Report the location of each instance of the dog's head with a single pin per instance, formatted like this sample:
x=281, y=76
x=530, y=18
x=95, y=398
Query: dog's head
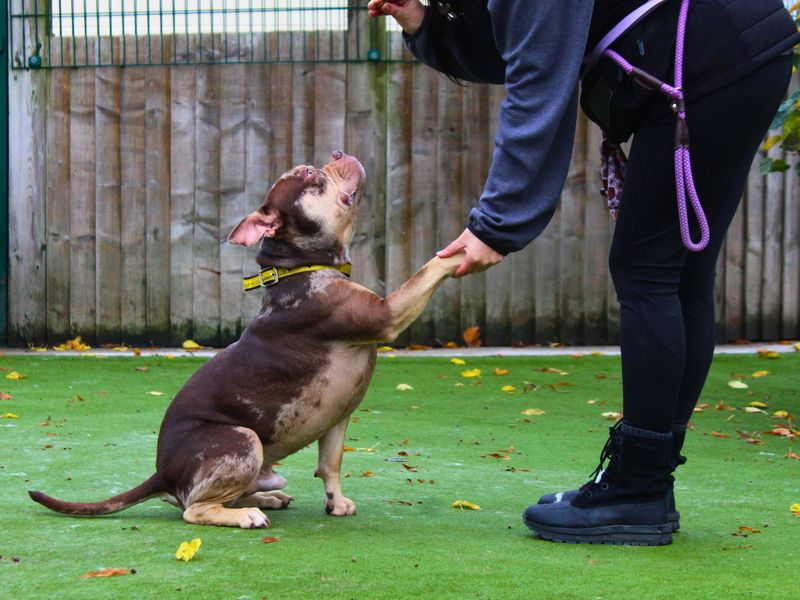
x=308, y=216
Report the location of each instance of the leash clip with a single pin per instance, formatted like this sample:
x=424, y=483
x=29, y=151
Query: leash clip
x=273, y=273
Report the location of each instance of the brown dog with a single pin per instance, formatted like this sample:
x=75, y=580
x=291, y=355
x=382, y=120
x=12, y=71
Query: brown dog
x=296, y=374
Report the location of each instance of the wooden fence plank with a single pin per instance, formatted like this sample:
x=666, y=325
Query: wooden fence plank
x=233, y=87
x=58, y=200
x=206, y=294
x=732, y=283
x=772, y=267
x=597, y=241
x=108, y=281
x=754, y=257
x=573, y=232
x=304, y=102
x=790, y=302
x=366, y=139
x=264, y=94
x=398, y=180
x=83, y=266
x=26, y=199
x=449, y=213
x=424, y=191
x=500, y=306
x=133, y=200
x=182, y=189
x=158, y=217
x=475, y=160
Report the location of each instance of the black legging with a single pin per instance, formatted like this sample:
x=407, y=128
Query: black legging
x=667, y=293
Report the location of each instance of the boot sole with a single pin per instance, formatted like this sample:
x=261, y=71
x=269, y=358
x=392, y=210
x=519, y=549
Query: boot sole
x=617, y=535
x=674, y=517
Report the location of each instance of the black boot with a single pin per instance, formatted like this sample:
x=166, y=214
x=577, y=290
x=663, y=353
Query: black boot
x=627, y=503
x=677, y=459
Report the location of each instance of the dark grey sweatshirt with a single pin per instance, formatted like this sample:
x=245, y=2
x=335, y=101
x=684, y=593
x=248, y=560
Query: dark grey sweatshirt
x=540, y=46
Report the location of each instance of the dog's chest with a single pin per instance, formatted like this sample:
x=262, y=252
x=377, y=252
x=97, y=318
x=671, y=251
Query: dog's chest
x=333, y=393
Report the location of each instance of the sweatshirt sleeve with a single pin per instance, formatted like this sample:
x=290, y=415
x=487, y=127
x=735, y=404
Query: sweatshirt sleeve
x=450, y=48
x=542, y=44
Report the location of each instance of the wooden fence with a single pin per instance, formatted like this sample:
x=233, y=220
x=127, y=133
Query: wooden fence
x=124, y=180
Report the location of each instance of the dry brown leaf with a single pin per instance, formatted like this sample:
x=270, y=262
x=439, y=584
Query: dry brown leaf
x=269, y=539
x=472, y=337
x=720, y=435
x=107, y=573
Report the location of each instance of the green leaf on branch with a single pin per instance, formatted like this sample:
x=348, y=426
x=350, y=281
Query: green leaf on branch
x=773, y=165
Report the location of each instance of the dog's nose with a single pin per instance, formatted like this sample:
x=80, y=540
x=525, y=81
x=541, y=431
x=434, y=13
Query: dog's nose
x=337, y=155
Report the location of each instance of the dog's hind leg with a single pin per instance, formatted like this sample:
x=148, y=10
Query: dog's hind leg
x=274, y=500
x=227, y=470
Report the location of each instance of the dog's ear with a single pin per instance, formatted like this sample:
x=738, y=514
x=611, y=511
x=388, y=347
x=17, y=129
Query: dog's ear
x=255, y=226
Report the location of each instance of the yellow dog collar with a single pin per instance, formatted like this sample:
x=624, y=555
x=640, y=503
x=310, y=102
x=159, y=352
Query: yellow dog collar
x=271, y=275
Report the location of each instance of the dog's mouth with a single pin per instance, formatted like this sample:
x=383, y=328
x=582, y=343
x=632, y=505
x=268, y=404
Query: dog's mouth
x=347, y=174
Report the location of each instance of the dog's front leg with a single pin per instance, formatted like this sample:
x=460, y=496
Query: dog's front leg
x=408, y=301
x=331, y=446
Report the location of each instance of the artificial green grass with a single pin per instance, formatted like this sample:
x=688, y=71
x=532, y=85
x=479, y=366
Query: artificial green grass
x=87, y=429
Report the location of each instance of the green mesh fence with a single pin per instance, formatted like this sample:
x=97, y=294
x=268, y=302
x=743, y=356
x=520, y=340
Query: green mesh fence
x=95, y=33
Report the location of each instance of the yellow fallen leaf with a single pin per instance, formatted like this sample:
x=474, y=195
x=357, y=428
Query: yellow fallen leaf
x=191, y=345
x=753, y=409
x=797, y=347
x=499, y=372
x=187, y=550
x=508, y=388
x=73, y=344
x=459, y=384
x=15, y=375
x=761, y=373
x=471, y=373
x=612, y=416
x=532, y=412
x=738, y=385
x=155, y=393
x=758, y=404
x=403, y=387
x=458, y=361
x=385, y=349
x=33, y=348
x=169, y=356
x=463, y=504
x=769, y=354
x=122, y=348
x=781, y=414
x=795, y=508
x=9, y=416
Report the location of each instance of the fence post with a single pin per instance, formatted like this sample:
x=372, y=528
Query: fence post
x=27, y=184
x=4, y=175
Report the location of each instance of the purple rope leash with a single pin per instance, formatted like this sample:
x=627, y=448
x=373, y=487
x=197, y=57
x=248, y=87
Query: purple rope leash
x=684, y=182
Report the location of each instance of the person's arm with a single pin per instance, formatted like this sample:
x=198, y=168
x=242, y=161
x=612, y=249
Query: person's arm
x=542, y=44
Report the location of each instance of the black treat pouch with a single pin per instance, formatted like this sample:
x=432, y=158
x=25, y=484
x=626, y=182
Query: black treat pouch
x=612, y=98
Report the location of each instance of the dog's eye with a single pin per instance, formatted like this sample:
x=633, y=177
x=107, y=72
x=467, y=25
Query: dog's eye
x=309, y=173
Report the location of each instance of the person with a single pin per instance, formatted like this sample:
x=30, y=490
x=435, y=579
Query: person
x=737, y=68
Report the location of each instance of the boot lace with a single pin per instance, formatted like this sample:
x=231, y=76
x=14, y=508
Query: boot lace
x=606, y=454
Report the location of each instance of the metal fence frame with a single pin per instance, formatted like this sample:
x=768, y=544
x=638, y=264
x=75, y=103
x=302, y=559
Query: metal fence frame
x=363, y=40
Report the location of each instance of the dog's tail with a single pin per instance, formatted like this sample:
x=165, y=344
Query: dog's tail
x=140, y=493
